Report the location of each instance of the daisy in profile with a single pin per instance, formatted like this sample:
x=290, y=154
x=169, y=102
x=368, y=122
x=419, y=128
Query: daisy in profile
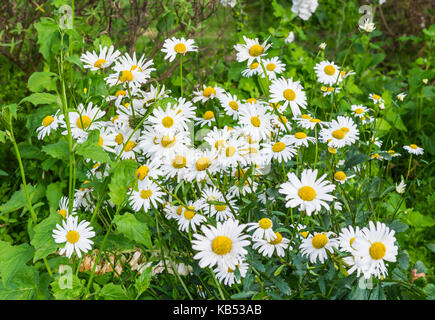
x=346, y=238
x=290, y=92
x=376, y=98
x=255, y=121
x=83, y=121
x=307, y=122
x=222, y=245
x=227, y=276
x=149, y=169
x=76, y=236
x=281, y=150
x=63, y=207
x=316, y=245
x=300, y=138
x=231, y=105
x=340, y=133
x=309, y=193
x=414, y=149
x=359, y=110
x=49, y=124
x=99, y=61
x=252, y=69
x=329, y=90
x=148, y=194
x=273, y=66
x=327, y=72
x=208, y=117
x=207, y=93
x=302, y=231
x=279, y=244
x=376, y=246
x=341, y=177
x=174, y=46
x=263, y=229
x=191, y=217
x=251, y=50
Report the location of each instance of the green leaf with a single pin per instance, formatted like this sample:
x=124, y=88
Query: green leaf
x=43, y=240
x=243, y=295
x=22, y=286
x=403, y=260
x=68, y=287
x=416, y=219
x=58, y=150
x=54, y=193
x=13, y=258
x=278, y=270
x=123, y=175
x=48, y=37
x=398, y=226
x=18, y=199
x=112, y=292
x=40, y=81
x=91, y=150
x=41, y=98
x=143, y=281
x=133, y=229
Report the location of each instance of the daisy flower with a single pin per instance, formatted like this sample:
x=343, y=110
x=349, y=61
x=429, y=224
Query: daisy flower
x=99, y=61
x=329, y=90
x=376, y=98
x=177, y=164
x=49, y=124
x=340, y=133
x=159, y=145
x=376, y=246
x=255, y=121
x=252, y=69
x=263, y=229
x=221, y=210
x=267, y=248
x=273, y=67
x=251, y=50
x=83, y=121
x=346, y=238
x=281, y=150
x=207, y=118
x=148, y=170
x=304, y=8
x=231, y=153
x=202, y=161
x=367, y=26
x=63, y=207
x=315, y=246
x=401, y=96
x=300, y=138
x=307, y=122
x=186, y=108
x=309, y=193
x=207, y=93
x=75, y=235
x=231, y=105
x=222, y=245
x=174, y=46
x=341, y=177
x=327, y=72
x=227, y=276
x=290, y=38
x=400, y=188
x=148, y=194
x=359, y=110
x=218, y=138
x=190, y=216
x=414, y=149
x=289, y=91
x=167, y=122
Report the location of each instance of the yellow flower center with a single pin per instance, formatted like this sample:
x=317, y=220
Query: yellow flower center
x=345, y=130
x=315, y=120
x=47, y=121
x=359, y=110
x=100, y=141
x=129, y=146
x=167, y=122
x=324, y=88
x=142, y=172
x=230, y=151
x=145, y=194
x=251, y=100
x=300, y=135
x=179, y=162
x=304, y=234
x=221, y=245
x=219, y=144
x=277, y=240
x=377, y=250
x=270, y=66
x=338, y=134
x=256, y=50
x=351, y=242
x=167, y=141
x=83, y=122
x=391, y=151
x=278, y=147
x=99, y=63
x=220, y=207
x=189, y=213
x=252, y=150
x=208, y=115
x=330, y=89
x=306, y=117
x=265, y=223
x=202, y=163
x=115, y=118
x=126, y=76
x=289, y=94
x=413, y=146
x=376, y=97
x=62, y=212
x=119, y=139
x=332, y=150
x=282, y=119
x=340, y=175
x=319, y=241
x=307, y=193
x=234, y=105
x=72, y=236
x=120, y=93
x=329, y=70
x=253, y=65
x=255, y=121
x=180, y=48
x=180, y=210
x=208, y=92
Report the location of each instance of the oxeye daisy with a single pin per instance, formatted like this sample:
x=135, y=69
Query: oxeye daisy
x=227, y=275
x=329, y=90
x=376, y=246
x=159, y=145
x=49, y=124
x=252, y=69
x=64, y=209
x=290, y=92
x=414, y=149
x=263, y=229
x=208, y=117
x=290, y=38
x=76, y=236
x=231, y=105
x=222, y=245
x=176, y=164
x=309, y=193
x=148, y=194
x=346, y=238
x=315, y=246
x=82, y=197
x=129, y=148
x=167, y=122
x=251, y=50
x=107, y=139
x=273, y=67
x=83, y=121
x=203, y=161
x=174, y=46
x=376, y=98
x=301, y=231
x=231, y=153
x=281, y=150
x=327, y=72
x=281, y=122
x=393, y=153
x=186, y=108
x=358, y=110
x=279, y=244
x=341, y=177
x=218, y=138
x=301, y=138
x=207, y=93
x=307, y=122
x=147, y=170
x=220, y=209
x=340, y=133
x=255, y=121
x=99, y=61
x=191, y=217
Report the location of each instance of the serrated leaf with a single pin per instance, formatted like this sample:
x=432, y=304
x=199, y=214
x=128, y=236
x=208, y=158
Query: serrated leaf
x=42, y=240
x=91, y=150
x=58, y=150
x=40, y=81
x=112, y=292
x=123, y=175
x=22, y=286
x=68, y=287
x=143, y=281
x=41, y=98
x=133, y=229
x=13, y=258
x=243, y=295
